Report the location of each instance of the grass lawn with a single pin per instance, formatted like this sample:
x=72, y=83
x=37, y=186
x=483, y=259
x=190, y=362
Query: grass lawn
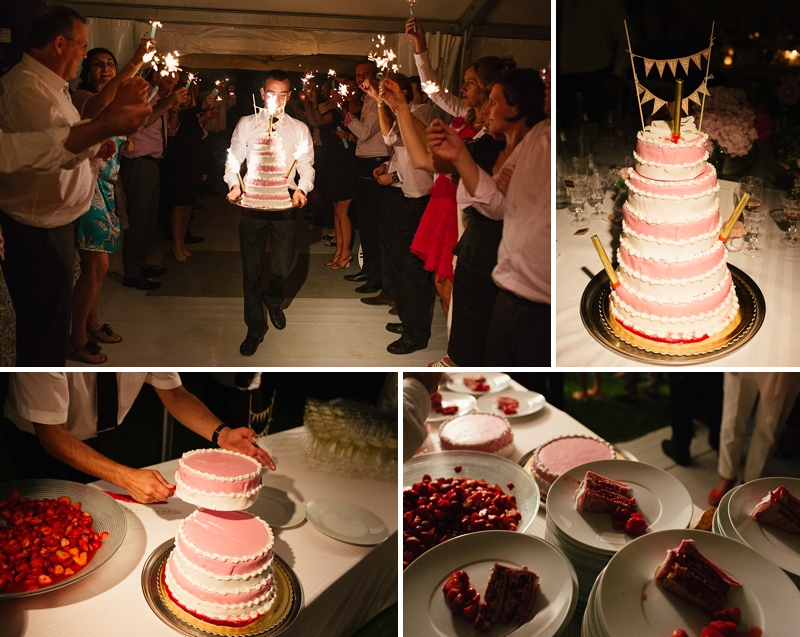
x=613, y=419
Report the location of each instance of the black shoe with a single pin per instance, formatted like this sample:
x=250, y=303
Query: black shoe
x=153, y=272
x=404, y=346
x=250, y=344
x=141, y=283
x=680, y=456
x=277, y=317
x=190, y=238
x=393, y=310
x=377, y=300
x=356, y=278
x=368, y=288
x=396, y=328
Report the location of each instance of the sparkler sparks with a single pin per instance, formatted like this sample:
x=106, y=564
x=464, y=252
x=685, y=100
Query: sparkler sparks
x=191, y=77
x=301, y=150
x=343, y=90
x=429, y=88
x=384, y=61
x=154, y=24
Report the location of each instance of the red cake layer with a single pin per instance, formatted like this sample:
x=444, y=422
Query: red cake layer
x=603, y=495
x=780, y=510
x=509, y=597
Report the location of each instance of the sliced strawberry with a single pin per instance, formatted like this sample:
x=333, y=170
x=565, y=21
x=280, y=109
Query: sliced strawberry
x=635, y=526
x=679, y=632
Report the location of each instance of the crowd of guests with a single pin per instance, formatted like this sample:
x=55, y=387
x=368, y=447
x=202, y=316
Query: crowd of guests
x=419, y=192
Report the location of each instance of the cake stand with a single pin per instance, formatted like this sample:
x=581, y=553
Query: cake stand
x=284, y=611
x=596, y=317
x=239, y=203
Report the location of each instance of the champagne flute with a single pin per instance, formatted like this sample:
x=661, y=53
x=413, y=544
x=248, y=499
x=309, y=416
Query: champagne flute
x=577, y=196
x=597, y=190
x=791, y=208
x=754, y=186
x=753, y=220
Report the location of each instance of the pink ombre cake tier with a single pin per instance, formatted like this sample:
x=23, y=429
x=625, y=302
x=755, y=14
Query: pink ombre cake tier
x=478, y=432
x=218, y=479
x=559, y=455
x=685, y=231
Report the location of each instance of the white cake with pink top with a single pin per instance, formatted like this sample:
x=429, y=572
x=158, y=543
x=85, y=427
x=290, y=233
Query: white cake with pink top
x=265, y=185
x=478, y=432
x=218, y=479
x=221, y=570
x=559, y=455
x=675, y=283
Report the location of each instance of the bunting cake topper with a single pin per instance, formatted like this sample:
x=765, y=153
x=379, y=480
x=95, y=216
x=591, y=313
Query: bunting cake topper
x=698, y=96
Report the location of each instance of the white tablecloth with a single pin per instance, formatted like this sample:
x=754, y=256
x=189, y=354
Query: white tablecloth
x=777, y=274
x=344, y=585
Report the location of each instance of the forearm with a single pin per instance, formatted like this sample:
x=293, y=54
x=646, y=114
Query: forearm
x=96, y=103
x=82, y=136
x=312, y=113
x=468, y=171
x=63, y=446
x=414, y=140
x=186, y=408
x=386, y=119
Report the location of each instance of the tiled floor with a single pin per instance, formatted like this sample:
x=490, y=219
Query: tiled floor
x=331, y=329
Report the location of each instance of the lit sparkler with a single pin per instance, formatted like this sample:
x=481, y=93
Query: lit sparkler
x=342, y=90
x=169, y=67
x=411, y=11
x=384, y=61
x=215, y=90
x=302, y=149
x=233, y=165
x=189, y=79
x=430, y=88
x=272, y=108
x=154, y=24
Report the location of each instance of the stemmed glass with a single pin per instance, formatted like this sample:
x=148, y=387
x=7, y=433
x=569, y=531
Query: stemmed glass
x=752, y=221
x=577, y=196
x=791, y=208
x=754, y=186
x=597, y=190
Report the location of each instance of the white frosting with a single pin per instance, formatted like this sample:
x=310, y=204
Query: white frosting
x=625, y=243
x=677, y=300
x=660, y=132
x=228, y=558
x=667, y=172
x=669, y=250
x=222, y=583
x=664, y=290
x=666, y=214
x=667, y=206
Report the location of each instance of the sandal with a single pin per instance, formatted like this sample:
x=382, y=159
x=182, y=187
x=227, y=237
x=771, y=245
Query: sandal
x=342, y=265
x=331, y=243
x=445, y=361
x=106, y=334
x=89, y=354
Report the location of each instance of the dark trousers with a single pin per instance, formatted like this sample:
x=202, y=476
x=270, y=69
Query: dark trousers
x=369, y=194
x=38, y=269
x=693, y=395
x=474, y=296
x=391, y=267
x=415, y=294
x=141, y=178
x=253, y=234
x=519, y=333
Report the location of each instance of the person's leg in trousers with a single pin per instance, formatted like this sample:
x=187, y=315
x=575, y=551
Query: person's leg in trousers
x=418, y=289
x=392, y=262
x=253, y=245
x=140, y=181
x=519, y=333
x=283, y=249
x=389, y=270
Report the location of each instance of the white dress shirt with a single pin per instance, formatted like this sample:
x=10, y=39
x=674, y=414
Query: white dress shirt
x=523, y=258
x=43, y=151
x=55, y=398
x=448, y=102
x=33, y=98
x=416, y=407
x=367, y=129
x=291, y=133
x=416, y=182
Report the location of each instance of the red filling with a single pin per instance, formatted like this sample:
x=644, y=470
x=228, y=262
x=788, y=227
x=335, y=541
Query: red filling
x=200, y=616
x=658, y=339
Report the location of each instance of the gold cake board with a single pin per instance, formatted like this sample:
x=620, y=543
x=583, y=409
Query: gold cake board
x=284, y=610
x=605, y=329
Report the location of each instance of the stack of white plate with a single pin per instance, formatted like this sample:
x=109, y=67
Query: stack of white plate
x=625, y=599
x=588, y=539
x=732, y=519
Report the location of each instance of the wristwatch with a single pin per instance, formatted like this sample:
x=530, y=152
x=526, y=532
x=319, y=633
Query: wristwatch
x=217, y=431
x=395, y=178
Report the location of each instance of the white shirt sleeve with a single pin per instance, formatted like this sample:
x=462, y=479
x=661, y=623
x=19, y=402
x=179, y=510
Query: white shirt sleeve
x=369, y=127
x=448, y=102
x=40, y=397
x=305, y=163
x=487, y=200
x=416, y=407
x=164, y=380
x=38, y=151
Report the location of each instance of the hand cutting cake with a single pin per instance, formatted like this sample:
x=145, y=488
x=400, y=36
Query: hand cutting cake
x=780, y=510
x=218, y=479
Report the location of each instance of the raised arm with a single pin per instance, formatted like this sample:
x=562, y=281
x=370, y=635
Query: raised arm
x=411, y=129
x=96, y=103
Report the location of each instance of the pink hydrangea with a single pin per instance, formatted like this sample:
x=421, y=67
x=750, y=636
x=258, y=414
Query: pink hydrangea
x=729, y=122
x=789, y=91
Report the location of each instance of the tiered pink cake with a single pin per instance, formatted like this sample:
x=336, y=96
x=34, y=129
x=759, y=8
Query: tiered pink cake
x=264, y=184
x=218, y=479
x=221, y=568
x=559, y=455
x=675, y=284
x=478, y=432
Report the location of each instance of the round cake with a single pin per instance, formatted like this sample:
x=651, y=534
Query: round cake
x=675, y=286
x=478, y=432
x=265, y=185
x=218, y=479
x=221, y=568
x=559, y=455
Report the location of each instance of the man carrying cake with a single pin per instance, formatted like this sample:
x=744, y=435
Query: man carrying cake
x=270, y=141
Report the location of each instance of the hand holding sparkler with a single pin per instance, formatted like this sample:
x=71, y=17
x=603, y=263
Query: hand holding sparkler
x=154, y=24
x=392, y=94
x=144, y=49
x=415, y=31
x=190, y=77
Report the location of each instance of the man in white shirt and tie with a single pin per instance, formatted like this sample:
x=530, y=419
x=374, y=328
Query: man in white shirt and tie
x=280, y=225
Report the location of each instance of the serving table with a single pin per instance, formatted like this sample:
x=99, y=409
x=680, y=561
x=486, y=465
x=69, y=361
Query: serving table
x=344, y=585
x=777, y=274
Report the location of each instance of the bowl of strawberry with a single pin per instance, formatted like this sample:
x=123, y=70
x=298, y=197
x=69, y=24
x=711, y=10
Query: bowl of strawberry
x=56, y=532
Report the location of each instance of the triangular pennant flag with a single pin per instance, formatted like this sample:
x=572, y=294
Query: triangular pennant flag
x=647, y=96
x=648, y=65
x=696, y=60
x=685, y=105
x=671, y=108
x=660, y=64
x=703, y=89
x=706, y=53
x=639, y=88
x=695, y=98
x=685, y=65
x=657, y=104
x=673, y=64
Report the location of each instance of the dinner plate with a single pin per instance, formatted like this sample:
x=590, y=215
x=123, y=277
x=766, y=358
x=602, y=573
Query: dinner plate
x=629, y=602
x=107, y=515
x=779, y=547
x=278, y=508
x=424, y=609
x=346, y=522
x=724, y=525
x=465, y=403
x=496, y=381
x=529, y=402
x=661, y=498
x=481, y=466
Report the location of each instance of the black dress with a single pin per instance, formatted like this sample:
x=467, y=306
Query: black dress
x=185, y=162
x=341, y=181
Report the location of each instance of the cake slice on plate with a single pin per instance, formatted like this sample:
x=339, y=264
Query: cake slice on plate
x=509, y=597
x=780, y=510
x=598, y=494
x=688, y=574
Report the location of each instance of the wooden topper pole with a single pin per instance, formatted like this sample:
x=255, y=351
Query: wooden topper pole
x=705, y=80
x=633, y=68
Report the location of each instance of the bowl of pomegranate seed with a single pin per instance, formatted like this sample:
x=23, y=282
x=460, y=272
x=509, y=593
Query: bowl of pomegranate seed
x=57, y=532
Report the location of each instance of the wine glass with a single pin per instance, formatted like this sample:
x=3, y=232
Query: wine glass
x=791, y=208
x=596, y=187
x=752, y=221
x=754, y=186
x=577, y=196
x=580, y=167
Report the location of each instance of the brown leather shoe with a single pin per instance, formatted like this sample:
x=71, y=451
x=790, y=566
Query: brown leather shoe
x=377, y=300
